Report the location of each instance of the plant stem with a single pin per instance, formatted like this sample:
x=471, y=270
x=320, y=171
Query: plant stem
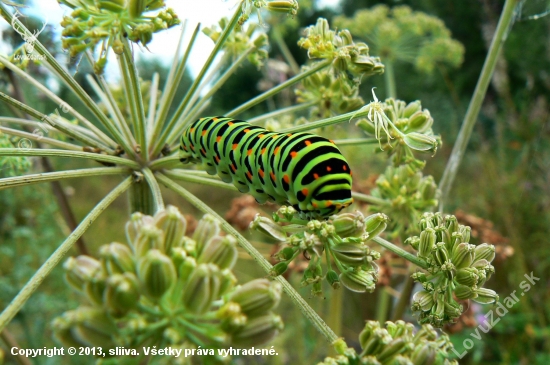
x=472, y=113
x=140, y=198
x=153, y=94
x=75, y=154
x=271, y=92
x=389, y=78
x=10, y=182
x=279, y=112
x=354, y=141
x=405, y=296
x=199, y=180
x=39, y=138
x=382, y=305
x=369, y=199
x=155, y=189
x=401, y=252
x=188, y=96
x=25, y=293
x=313, y=317
x=10, y=342
x=277, y=37
x=326, y=122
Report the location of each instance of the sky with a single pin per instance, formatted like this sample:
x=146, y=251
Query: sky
x=163, y=46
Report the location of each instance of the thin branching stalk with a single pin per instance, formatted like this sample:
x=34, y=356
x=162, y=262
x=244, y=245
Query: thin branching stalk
x=368, y=199
x=283, y=111
x=10, y=182
x=355, y=141
x=198, y=80
x=205, y=181
x=326, y=122
x=11, y=343
x=41, y=139
x=389, y=78
x=472, y=113
x=25, y=293
x=61, y=127
x=153, y=94
x=164, y=162
x=309, y=312
x=400, y=252
x=73, y=154
x=277, y=37
x=69, y=81
x=277, y=89
x=56, y=99
x=404, y=296
x=155, y=189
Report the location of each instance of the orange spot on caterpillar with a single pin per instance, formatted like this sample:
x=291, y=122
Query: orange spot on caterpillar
x=315, y=176
x=263, y=151
x=331, y=141
x=192, y=130
x=230, y=123
x=293, y=154
x=203, y=151
x=276, y=150
x=218, y=138
x=233, y=167
x=261, y=135
x=328, y=203
x=217, y=159
x=249, y=152
x=304, y=191
x=192, y=147
x=203, y=133
x=329, y=168
x=249, y=175
x=215, y=119
x=315, y=205
x=272, y=176
x=246, y=130
x=261, y=172
x=234, y=146
x=308, y=143
x=275, y=136
x=184, y=148
x=345, y=167
x=286, y=179
x=290, y=134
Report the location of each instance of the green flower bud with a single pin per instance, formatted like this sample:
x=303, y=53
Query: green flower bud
x=424, y=354
x=134, y=225
x=412, y=108
x=114, y=6
x=156, y=273
x=367, y=126
x=261, y=40
x=420, y=121
x=420, y=142
x=352, y=254
x=468, y=276
x=394, y=348
x=118, y=47
x=207, y=228
x=451, y=224
x=268, y=227
x=93, y=327
x=414, y=241
x=99, y=66
x=148, y=238
x=349, y=224
x=422, y=300
x=465, y=232
x=465, y=292
x=95, y=287
x=441, y=255
x=453, y=309
x=257, y=331
x=427, y=242
x=121, y=294
x=378, y=340
x=333, y=280
x=376, y=224
x=286, y=253
x=117, y=258
x=227, y=281
x=178, y=256
x=198, y=293
x=289, y=7
x=173, y=224
x=221, y=251
x=463, y=255
x=278, y=269
x=367, y=332
x=485, y=296
x=79, y=270
x=257, y=296
x=186, y=268
x=485, y=252
x=358, y=281
x=62, y=330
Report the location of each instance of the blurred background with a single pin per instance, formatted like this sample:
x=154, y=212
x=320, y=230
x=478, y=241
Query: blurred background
x=502, y=189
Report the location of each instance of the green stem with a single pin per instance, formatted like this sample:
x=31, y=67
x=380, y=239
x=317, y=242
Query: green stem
x=472, y=113
x=9, y=182
x=153, y=95
x=164, y=162
x=66, y=108
x=140, y=198
x=279, y=112
x=183, y=105
x=404, y=297
x=172, y=83
x=155, y=189
x=50, y=122
x=354, y=141
x=68, y=80
x=389, y=78
x=39, y=138
x=401, y=252
x=326, y=122
x=74, y=154
x=40, y=275
x=310, y=314
x=369, y=199
x=278, y=38
x=382, y=305
x=271, y=92
x=199, y=180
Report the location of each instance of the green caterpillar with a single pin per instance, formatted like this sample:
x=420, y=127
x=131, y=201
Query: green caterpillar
x=301, y=169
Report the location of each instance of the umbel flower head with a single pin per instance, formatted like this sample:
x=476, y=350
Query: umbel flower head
x=110, y=22
x=341, y=240
x=165, y=288
x=397, y=343
x=456, y=269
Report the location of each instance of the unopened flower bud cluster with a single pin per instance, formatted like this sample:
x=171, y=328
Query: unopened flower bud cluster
x=341, y=240
x=397, y=343
x=288, y=7
x=165, y=288
x=107, y=22
x=456, y=269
